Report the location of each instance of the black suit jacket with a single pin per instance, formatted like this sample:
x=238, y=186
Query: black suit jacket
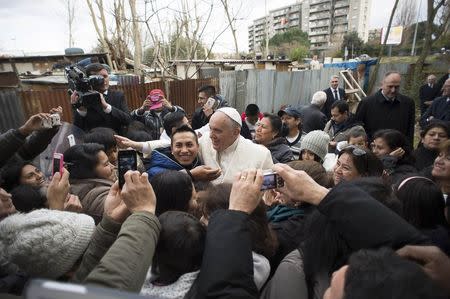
x=312, y=118
x=326, y=109
x=96, y=117
x=426, y=93
x=376, y=113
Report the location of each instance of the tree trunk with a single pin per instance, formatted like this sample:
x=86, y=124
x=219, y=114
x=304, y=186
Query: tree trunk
x=136, y=38
x=99, y=34
x=380, y=54
x=233, y=31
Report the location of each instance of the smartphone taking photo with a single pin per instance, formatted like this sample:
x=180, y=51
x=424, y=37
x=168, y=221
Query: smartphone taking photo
x=127, y=160
x=58, y=163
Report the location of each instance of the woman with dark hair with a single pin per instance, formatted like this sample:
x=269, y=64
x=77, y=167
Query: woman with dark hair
x=178, y=256
x=174, y=191
x=431, y=139
x=105, y=137
x=441, y=174
x=423, y=207
x=391, y=147
x=268, y=133
x=264, y=240
x=354, y=162
x=90, y=173
x=21, y=172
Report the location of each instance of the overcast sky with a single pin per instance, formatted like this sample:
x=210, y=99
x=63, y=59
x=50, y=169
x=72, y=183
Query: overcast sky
x=41, y=25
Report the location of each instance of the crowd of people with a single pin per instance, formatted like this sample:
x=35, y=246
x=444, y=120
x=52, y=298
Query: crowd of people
x=362, y=211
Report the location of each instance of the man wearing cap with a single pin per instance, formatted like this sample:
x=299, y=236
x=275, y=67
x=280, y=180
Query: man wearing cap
x=292, y=121
x=223, y=147
x=111, y=112
x=153, y=110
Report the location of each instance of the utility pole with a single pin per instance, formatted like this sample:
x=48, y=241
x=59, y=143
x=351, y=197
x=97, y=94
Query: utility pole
x=413, y=49
x=266, y=28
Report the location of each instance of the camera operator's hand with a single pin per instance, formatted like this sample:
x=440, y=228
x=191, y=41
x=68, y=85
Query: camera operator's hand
x=167, y=104
x=245, y=193
x=34, y=123
x=103, y=101
x=299, y=186
x=74, y=99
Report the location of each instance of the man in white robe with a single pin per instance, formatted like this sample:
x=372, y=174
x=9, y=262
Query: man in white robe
x=223, y=147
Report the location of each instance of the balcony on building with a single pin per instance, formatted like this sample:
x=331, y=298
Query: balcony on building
x=320, y=16
x=319, y=8
x=342, y=3
x=314, y=2
x=340, y=12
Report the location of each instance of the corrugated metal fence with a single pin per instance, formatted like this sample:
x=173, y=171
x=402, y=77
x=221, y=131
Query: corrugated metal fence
x=270, y=89
x=17, y=106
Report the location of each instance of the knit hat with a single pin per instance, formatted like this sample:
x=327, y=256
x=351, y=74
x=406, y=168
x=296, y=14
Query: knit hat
x=317, y=142
x=231, y=113
x=45, y=243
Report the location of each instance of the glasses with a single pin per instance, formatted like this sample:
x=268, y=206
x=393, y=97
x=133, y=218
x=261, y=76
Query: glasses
x=356, y=150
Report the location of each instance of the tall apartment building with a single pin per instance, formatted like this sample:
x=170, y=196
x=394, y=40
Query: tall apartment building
x=325, y=21
x=277, y=21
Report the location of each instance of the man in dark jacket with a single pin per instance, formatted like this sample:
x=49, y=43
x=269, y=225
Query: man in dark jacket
x=153, y=110
x=340, y=124
x=202, y=114
x=111, y=111
x=388, y=109
x=334, y=93
x=312, y=117
x=427, y=93
x=440, y=109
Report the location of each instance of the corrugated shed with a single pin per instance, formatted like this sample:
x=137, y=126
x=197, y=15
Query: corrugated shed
x=270, y=89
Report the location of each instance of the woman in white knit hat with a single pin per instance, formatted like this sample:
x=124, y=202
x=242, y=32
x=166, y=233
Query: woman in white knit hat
x=314, y=146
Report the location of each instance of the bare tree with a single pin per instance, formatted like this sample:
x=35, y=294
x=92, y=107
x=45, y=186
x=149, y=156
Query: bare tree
x=436, y=25
x=377, y=66
x=136, y=38
x=70, y=18
x=102, y=34
x=230, y=21
x=406, y=13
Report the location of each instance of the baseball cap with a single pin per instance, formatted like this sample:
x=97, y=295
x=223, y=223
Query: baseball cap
x=155, y=96
x=291, y=111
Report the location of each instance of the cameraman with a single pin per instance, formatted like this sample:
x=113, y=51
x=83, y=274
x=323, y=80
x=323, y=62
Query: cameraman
x=111, y=112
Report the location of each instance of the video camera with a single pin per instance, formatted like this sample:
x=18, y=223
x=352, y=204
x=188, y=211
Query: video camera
x=84, y=85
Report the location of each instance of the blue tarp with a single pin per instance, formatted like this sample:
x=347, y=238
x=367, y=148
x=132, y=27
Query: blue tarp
x=353, y=65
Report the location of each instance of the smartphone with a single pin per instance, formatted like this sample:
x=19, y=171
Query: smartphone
x=210, y=103
x=271, y=181
x=58, y=163
x=127, y=160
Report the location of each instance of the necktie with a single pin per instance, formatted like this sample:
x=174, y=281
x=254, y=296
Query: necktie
x=336, y=95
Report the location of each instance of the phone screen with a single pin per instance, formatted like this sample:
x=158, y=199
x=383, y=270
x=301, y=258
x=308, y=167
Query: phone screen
x=127, y=161
x=56, y=164
x=269, y=181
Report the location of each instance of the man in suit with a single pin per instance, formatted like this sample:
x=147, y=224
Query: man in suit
x=334, y=93
x=427, y=93
x=440, y=108
x=388, y=109
x=109, y=110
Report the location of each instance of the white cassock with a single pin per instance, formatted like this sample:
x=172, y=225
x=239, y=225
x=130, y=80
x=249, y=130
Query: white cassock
x=241, y=155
